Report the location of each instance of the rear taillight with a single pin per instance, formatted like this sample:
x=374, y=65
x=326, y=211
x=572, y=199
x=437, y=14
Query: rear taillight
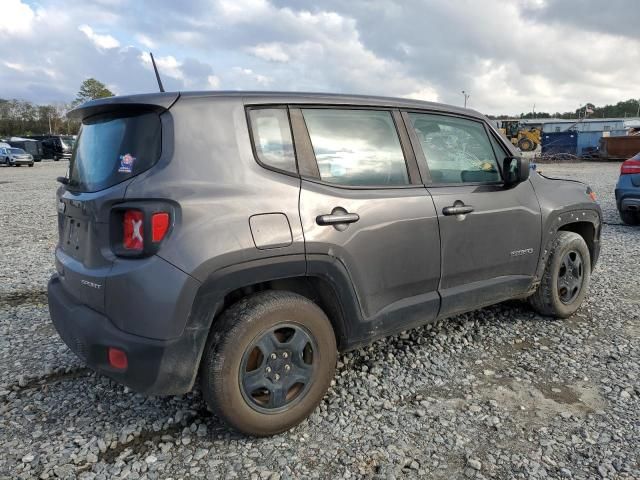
x=133, y=230
x=159, y=226
x=139, y=230
x=630, y=166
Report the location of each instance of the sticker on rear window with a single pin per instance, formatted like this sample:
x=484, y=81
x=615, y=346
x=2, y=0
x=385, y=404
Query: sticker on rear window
x=126, y=163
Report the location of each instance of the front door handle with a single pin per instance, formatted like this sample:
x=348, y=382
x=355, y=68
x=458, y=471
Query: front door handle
x=457, y=210
x=337, y=218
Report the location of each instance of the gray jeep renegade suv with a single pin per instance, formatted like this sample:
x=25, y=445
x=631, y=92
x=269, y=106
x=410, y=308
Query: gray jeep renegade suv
x=245, y=238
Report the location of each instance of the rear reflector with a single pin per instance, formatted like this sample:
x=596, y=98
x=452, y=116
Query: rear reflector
x=159, y=226
x=133, y=230
x=630, y=166
x=118, y=358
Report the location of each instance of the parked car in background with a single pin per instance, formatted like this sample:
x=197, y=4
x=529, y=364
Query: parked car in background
x=56, y=146
x=17, y=157
x=29, y=145
x=628, y=191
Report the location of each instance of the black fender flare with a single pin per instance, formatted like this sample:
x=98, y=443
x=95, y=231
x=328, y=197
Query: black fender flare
x=209, y=301
x=555, y=222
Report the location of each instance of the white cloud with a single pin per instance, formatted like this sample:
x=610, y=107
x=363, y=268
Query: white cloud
x=257, y=78
x=15, y=66
x=507, y=54
x=100, y=41
x=16, y=18
x=427, y=94
x=272, y=52
x=213, y=82
x=145, y=41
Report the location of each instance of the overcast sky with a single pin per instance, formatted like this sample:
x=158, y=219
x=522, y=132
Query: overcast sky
x=508, y=54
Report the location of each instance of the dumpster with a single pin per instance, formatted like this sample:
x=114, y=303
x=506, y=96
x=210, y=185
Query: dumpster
x=619, y=148
x=560, y=142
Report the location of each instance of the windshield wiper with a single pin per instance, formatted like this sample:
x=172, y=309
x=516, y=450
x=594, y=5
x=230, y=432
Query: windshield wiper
x=67, y=181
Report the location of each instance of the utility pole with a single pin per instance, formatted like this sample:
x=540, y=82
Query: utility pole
x=534, y=111
x=638, y=112
x=466, y=97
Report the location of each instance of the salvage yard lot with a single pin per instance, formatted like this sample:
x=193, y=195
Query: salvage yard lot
x=498, y=393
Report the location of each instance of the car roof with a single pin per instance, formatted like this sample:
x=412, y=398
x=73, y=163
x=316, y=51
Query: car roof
x=259, y=97
x=164, y=100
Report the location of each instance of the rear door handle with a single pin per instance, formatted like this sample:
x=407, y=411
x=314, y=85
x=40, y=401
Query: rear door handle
x=457, y=210
x=337, y=218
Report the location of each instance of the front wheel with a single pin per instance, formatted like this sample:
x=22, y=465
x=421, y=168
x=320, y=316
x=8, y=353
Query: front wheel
x=268, y=362
x=566, y=277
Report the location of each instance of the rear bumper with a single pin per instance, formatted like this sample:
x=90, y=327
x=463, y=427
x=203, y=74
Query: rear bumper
x=164, y=367
x=630, y=203
x=628, y=192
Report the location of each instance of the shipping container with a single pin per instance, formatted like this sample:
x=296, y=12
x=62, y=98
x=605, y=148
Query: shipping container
x=619, y=148
x=559, y=142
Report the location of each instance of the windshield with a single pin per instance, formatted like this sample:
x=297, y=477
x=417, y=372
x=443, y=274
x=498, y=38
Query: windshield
x=112, y=148
x=67, y=142
x=16, y=151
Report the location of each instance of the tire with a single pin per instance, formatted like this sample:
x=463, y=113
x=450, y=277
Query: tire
x=55, y=158
x=526, y=145
x=563, y=285
x=241, y=348
x=630, y=218
x=31, y=164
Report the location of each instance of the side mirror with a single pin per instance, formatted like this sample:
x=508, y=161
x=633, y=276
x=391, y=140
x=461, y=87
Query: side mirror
x=515, y=170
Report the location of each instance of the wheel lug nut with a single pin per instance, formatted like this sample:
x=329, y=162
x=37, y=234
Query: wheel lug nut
x=287, y=368
x=273, y=356
x=276, y=376
x=268, y=369
x=285, y=355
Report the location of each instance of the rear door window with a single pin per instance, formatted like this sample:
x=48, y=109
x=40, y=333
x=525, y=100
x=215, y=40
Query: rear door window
x=272, y=138
x=457, y=150
x=356, y=147
x=112, y=148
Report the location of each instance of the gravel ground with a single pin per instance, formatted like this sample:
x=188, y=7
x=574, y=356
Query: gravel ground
x=498, y=393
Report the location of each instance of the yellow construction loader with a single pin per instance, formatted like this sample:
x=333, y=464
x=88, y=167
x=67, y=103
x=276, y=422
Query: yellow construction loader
x=524, y=137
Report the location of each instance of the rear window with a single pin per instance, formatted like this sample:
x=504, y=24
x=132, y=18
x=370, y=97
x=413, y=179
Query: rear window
x=272, y=138
x=356, y=147
x=113, y=148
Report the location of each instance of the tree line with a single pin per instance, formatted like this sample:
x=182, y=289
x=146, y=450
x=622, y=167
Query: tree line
x=626, y=108
x=21, y=117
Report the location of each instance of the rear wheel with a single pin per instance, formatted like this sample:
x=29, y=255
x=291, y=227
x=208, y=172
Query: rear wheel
x=566, y=277
x=268, y=362
x=630, y=218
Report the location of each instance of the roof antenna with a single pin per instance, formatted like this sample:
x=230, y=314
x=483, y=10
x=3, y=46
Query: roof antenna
x=157, y=74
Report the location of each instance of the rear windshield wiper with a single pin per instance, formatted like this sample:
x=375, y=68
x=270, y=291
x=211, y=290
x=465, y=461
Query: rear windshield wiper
x=67, y=181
